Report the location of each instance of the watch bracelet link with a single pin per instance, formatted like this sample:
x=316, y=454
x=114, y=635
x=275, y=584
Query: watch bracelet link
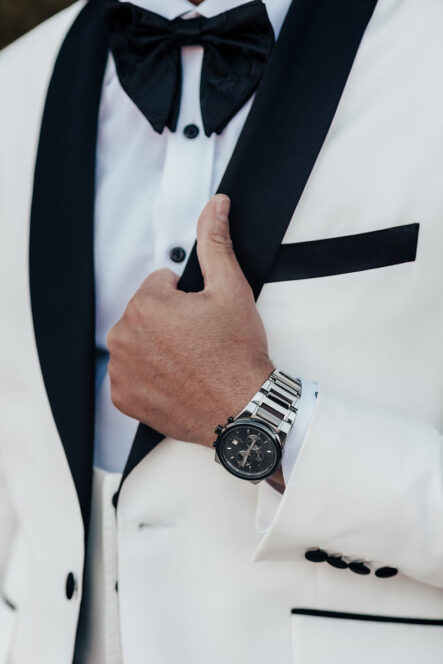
x=276, y=403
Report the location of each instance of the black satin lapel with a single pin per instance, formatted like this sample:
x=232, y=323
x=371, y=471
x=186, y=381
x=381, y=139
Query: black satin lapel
x=280, y=142
x=61, y=241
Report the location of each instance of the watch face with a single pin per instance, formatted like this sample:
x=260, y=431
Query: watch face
x=249, y=451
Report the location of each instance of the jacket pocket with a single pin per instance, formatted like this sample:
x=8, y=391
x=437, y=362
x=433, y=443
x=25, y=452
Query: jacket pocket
x=8, y=616
x=347, y=638
x=348, y=253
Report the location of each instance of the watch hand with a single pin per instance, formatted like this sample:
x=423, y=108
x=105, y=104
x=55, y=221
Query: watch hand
x=247, y=455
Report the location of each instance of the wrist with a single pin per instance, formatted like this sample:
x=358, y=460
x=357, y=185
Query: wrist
x=250, y=445
x=242, y=390
x=235, y=392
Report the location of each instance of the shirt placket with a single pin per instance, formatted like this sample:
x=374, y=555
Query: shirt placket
x=187, y=173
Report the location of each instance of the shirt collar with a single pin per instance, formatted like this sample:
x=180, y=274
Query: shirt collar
x=172, y=8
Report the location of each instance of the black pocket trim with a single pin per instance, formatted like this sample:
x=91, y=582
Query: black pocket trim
x=8, y=602
x=348, y=253
x=367, y=617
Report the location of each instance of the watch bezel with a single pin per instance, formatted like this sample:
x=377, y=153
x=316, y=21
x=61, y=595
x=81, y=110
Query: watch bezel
x=252, y=422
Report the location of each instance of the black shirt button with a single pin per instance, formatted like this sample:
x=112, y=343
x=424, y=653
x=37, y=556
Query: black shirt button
x=337, y=561
x=115, y=499
x=71, y=586
x=177, y=254
x=386, y=572
x=191, y=131
x=359, y=568
x=316, y=555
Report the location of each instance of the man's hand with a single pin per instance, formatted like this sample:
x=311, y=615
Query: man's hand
x=184, y=362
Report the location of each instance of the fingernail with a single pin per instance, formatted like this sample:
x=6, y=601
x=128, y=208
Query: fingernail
x=222, y=206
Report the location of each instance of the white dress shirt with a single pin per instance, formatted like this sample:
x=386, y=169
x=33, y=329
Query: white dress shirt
x=150, y=190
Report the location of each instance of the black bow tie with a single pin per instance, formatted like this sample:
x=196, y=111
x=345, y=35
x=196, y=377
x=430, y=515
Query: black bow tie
x=146, y=48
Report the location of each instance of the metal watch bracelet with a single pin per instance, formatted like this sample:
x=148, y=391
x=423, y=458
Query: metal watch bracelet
x=276, y=403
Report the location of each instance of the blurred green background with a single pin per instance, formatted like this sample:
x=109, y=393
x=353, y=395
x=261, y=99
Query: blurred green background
x=19, y=16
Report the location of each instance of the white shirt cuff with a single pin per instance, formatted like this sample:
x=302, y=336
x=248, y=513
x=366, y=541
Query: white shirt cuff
x=298, y=432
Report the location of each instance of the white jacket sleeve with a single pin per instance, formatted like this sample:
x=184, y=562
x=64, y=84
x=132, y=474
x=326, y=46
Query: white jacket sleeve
x=367, y=486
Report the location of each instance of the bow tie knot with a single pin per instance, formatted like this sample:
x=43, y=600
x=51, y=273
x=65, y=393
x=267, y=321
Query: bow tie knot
x=188, y=32
x=146, y=49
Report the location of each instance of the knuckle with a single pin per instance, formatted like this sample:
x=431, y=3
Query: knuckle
x=119, y=397
x=114, y=380
x=112, y=339
x=117, y=401
x=112, y=369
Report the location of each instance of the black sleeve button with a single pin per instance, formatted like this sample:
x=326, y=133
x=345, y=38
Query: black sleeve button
x=177, y=254
x=71, y=586
x=316, y=555
x=359, y=568
x=386, y=572
x=191, y=131
x=337, y=562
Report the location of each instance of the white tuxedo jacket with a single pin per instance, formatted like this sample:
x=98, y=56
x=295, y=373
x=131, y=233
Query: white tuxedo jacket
x=340, y=163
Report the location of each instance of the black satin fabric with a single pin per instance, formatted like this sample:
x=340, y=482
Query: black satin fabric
x=147, y=52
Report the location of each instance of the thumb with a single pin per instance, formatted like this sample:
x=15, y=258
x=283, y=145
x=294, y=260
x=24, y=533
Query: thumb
x=215, y=252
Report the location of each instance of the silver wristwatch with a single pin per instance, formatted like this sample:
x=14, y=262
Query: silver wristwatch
x=250, y=445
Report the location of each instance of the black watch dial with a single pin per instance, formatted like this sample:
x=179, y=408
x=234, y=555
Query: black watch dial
x=249, y=451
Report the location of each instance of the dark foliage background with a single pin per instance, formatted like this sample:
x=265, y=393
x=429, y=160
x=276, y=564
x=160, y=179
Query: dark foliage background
x=19, y=16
